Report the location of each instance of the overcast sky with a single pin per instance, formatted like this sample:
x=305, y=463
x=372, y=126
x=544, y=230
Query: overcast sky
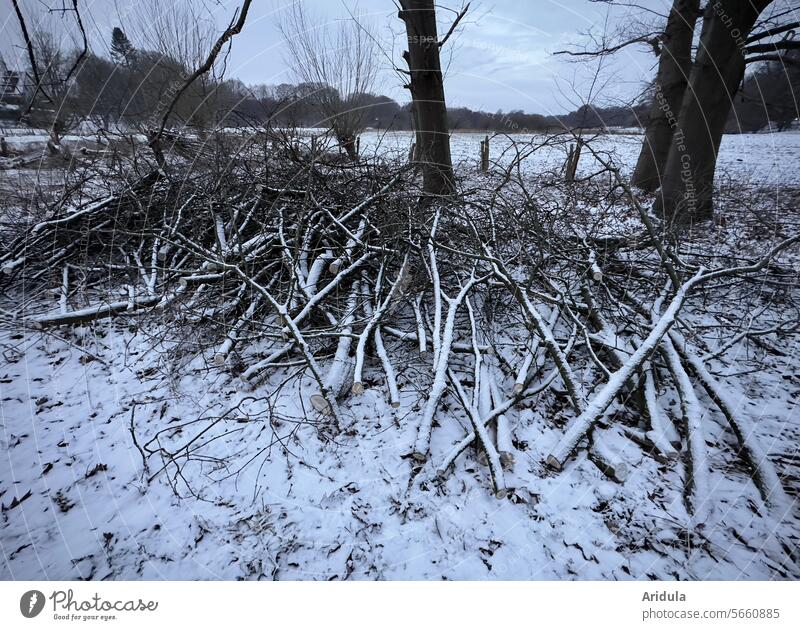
x=501, y=58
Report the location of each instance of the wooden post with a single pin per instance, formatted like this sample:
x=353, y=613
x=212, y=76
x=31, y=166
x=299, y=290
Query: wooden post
x=571, y=165
x=568, y=162
x=485, y=155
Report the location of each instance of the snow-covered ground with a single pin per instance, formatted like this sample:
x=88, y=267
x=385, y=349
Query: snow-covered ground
x=764, y=159
x=760, y=159
x=273, y=494
x=77, y=504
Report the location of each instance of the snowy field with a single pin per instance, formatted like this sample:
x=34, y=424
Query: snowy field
x=767, y=159
x=763, y=159
x=77, y=407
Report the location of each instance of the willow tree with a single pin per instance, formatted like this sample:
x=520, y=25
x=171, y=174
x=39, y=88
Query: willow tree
x=686, y=195
x=427, y=93
x=340, y=64
x=675, y=63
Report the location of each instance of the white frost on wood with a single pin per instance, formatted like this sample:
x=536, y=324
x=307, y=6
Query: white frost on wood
x=442, y=358
x=522, y=373
x=339, y=376
x=662, y=433
x=374, y=318
x=91, y=313
x=233, y=334
x=699, y=499
x=64, y=293
x=504, y=444
x=391, y=378
x=764, y=474
x=580, y=425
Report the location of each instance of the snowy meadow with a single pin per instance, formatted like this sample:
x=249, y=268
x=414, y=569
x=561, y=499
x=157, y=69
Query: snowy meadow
x=263, y=362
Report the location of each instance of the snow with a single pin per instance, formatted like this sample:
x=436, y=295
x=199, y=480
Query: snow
x=597, y=405
x=327, y=508
x=701, y=500
x=274, y=491
x=758, y=159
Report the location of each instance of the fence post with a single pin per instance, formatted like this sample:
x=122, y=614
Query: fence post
x=571, y=165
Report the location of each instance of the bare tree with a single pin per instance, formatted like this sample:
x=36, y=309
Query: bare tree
x=672, y=44
x=178, y=30
x=685, y=126
x=340, y=65
x=427, y=93
x=53, y=67
x=687, y=185
x=670, y=85
x=172, y=39
x=53, y=106
x=199, y=74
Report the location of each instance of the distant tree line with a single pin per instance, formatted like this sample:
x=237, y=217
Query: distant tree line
x=769, y=96
x=129, y=86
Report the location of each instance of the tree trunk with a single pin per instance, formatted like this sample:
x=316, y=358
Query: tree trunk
x=348, y=143
x=687, y=186
x=670, y=86
x=427, y=93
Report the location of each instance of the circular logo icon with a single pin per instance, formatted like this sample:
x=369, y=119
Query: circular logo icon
x=31, y=604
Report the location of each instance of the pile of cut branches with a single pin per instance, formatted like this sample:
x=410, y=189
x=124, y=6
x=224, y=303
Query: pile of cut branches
x=511, y=291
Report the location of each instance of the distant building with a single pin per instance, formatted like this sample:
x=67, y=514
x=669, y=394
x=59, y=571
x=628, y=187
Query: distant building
x=11, y=92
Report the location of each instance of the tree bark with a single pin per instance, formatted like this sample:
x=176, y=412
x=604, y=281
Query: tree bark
x=348, y=143
x=670, y=85
x=427, y=93
x=687, y=186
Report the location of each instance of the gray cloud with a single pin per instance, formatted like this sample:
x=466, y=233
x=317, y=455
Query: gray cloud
x=501, y=58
